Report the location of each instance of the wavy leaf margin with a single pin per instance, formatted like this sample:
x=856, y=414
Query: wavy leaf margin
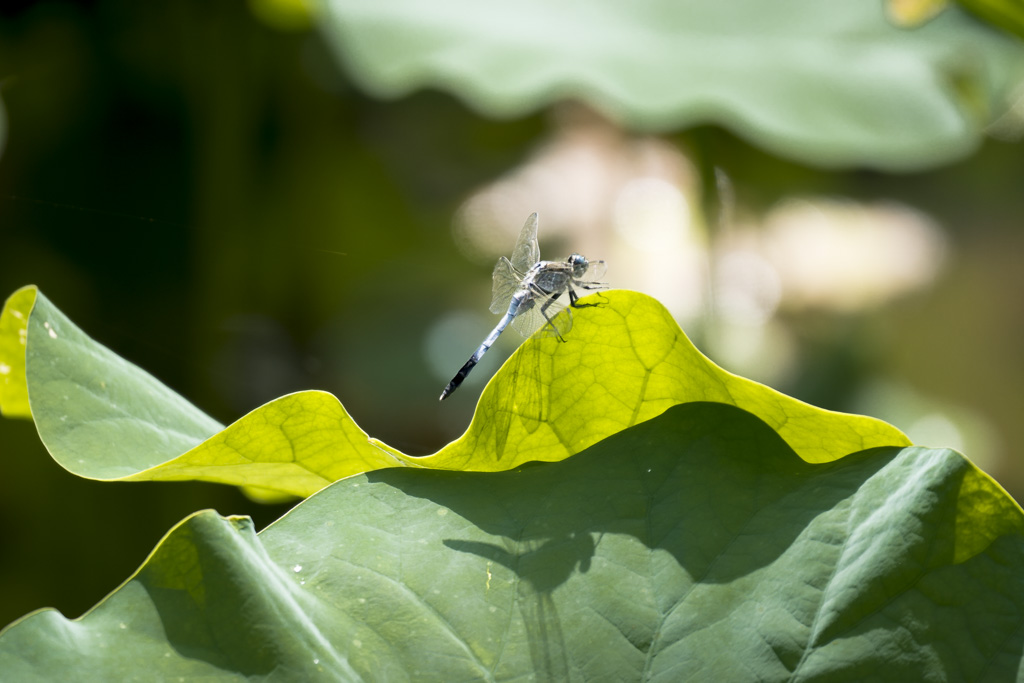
x=626, y=362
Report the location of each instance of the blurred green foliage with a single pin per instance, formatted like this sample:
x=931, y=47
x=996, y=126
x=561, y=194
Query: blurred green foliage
x=211, y=198
x=831, y=83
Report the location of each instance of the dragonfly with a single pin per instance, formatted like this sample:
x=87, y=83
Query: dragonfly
x=526, y=290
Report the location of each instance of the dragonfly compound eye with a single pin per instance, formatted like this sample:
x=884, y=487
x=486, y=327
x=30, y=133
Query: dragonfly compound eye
x=579, y=265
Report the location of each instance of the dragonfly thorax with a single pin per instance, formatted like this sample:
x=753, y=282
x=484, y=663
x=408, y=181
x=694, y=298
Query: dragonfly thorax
x=547, y=277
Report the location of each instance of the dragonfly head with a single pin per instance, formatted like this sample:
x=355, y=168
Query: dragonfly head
x=579, y=265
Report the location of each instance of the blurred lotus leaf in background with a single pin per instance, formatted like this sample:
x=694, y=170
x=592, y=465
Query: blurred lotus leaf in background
x=826, y=83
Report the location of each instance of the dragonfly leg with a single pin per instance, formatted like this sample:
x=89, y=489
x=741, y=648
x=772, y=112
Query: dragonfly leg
x=574, y=298
x=544, y=312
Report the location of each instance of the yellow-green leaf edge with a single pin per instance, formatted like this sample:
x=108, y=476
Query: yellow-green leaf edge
x=13, y=337
x=626, y=361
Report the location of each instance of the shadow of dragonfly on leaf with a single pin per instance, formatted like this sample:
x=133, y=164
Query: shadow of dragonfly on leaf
x=541, y=566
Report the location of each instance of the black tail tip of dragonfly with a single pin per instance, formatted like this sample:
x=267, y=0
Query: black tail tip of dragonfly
x=453, y=385
x=457, y=379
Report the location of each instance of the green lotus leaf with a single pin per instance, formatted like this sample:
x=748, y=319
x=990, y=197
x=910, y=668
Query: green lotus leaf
x=835, y=84
x=625, y=362
x=694, y=546
x=13, y=337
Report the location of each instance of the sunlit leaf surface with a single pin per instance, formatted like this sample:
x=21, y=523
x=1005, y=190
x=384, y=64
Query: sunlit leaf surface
x=831, y=83
x=625, y=362
x=13, y=335
x=694, y=546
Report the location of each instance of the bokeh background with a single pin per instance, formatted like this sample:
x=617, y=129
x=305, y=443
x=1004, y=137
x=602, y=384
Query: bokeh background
x=222, y=193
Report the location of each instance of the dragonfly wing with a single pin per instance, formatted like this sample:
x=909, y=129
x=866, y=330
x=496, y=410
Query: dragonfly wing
x=527, y=322
x=544, y=318
x=506, y=282
x=596, y=271
x=527, y=252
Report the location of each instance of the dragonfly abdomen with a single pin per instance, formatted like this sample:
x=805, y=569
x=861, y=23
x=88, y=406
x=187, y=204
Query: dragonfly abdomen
x=482, y=349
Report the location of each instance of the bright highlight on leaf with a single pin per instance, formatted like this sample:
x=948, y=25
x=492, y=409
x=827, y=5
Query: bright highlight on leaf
x=694, y=546
x=626, y=361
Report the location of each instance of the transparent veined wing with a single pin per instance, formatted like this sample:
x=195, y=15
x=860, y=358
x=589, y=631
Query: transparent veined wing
x=506, y=282
x=596, y=272
x=532, y=319
x=527, y=252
